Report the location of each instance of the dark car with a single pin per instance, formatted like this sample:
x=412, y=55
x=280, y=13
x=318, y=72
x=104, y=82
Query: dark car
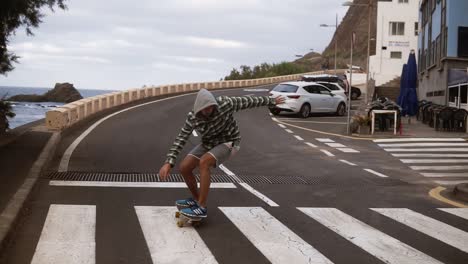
x=355, y=92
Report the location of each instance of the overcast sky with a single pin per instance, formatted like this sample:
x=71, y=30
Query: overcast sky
x=123, y=44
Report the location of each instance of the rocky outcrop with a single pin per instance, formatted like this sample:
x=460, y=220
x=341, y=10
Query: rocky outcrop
x=62, y=93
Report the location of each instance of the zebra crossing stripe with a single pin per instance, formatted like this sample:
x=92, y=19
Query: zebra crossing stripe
x=335, y=145
x=166, y=242
x=281, y=125
x=425, y=145
x=224, y=185
x=431, y=227
x=276, y=241
x=68, y=235
x=348, y=150
x=445, y=174
x=418, y=139
x=426, y=149
x=450, y=182
x=324, y=140
x=434, y=160
x=439, y=168
x=427, y=155
x=378, y=244
x=460, y=212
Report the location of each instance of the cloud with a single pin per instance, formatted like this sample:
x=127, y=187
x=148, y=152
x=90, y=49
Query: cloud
x=195, y=59
x=179, y=68
x=215, y=43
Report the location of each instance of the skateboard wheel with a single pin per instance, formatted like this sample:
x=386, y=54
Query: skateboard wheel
x=177, y=214
x=180, y=223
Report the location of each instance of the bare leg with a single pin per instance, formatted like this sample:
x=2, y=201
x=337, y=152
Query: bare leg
x=207, y=161
x=186, y=168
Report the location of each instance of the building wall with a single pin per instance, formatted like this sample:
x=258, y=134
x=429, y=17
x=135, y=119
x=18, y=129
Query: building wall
x=457, y=15
x=382, y=67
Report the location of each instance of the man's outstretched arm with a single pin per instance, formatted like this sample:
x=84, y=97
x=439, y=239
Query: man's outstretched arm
x=246, y=102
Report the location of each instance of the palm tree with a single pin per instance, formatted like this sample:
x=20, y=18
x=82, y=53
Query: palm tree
x=6, y=110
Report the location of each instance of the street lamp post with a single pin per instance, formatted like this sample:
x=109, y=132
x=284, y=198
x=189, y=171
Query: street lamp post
x=336, y=41
x=369, y=5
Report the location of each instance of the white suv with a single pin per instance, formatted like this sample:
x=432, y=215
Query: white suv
x=307, y=97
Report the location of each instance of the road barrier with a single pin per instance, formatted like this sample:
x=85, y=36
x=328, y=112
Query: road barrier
x=65, y=116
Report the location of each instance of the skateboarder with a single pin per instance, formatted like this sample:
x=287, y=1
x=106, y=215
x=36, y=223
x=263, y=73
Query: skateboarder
x=213, y=119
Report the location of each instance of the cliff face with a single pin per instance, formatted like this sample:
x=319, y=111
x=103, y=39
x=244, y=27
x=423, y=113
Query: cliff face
x=356, y=19
x=62, y=93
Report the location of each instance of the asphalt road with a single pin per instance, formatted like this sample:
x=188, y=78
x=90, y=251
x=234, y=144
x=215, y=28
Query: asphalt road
x=295, y=197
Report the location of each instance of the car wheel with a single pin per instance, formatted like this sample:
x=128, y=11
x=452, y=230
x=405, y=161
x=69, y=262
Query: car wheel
x=341, y=110
x=275, y=111
x=305, y=111
x=354, y=96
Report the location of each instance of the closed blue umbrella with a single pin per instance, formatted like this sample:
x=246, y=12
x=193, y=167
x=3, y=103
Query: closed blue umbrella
x=412, y=82
x=403, y=85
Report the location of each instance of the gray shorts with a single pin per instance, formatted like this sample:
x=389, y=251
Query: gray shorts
x=221, y=152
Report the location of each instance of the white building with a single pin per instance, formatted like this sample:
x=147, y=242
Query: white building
x=397, y=35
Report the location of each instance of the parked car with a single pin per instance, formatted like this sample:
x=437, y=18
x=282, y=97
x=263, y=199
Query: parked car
x=335, y=88
x=304, y=98
x=355, y=92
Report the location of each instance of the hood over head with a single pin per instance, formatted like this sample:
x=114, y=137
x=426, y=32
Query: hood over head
x=204, y=99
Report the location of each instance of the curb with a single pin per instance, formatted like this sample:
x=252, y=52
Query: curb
x=461, y=191
x=10, y=215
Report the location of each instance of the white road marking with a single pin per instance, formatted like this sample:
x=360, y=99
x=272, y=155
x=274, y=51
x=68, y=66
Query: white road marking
x=328, y=153
x=315, y=122
x=450, y=182
x=323, y=140
x=347, y=162
x=68, y=153
x=376, y=243
x=273, y=239
x=68, y=235
x=446, y=174
x=460, y=212
x=223, y=185
x=311, y=145
x=249, y=188
x=459, y=161
x=376, y=173
x=439, y=168
x=445, y=144
x=281, y=125
x=194, y=133
x=289, y=131
x=431, y=227
x=418, y=139
x=168, y=243
x=298, y=138
x=335, y=145
x=348, y=150
x=274, y=119
x=426, y=149
x=426, y=155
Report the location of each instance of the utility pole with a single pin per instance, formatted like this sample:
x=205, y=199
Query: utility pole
x=353, y=36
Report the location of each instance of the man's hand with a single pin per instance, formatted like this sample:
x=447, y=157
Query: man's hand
x=164, y=171
x=279, y=100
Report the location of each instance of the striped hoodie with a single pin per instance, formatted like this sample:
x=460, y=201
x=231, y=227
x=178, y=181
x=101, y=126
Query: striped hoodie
x=220, y=127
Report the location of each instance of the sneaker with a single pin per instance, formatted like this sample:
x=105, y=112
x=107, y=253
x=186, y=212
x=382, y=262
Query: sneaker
x=195, y=211
x=186, y=203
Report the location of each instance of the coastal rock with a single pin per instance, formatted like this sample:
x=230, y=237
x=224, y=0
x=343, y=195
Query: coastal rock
x=62, y=93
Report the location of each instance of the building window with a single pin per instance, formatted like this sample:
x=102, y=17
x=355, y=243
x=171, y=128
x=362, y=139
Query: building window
x=463, y=42
x=416, y=28
x=395, y=54
x=397, y=28
x=402, y=1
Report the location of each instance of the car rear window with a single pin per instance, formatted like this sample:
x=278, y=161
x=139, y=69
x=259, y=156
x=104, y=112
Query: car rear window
x=285, y=88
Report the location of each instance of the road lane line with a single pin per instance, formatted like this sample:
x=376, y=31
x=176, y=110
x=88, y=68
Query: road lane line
x=445, y=174
x=450, y=182
x=68, y=235
x=289, y=131
x=376, y=173
x=167, y=242
x=281, y=125
x=445, y=144
x=328, y=153
x=311, y=145
x=273, y=239
x=221, y=185
x=348, y=150
x=418, y=139
x=426, y=155
x=347, y=162
x=426, y=149
x=434, y=160
x=376, y=243
x=194, y=133
x=335, y=145
x=460, y=212
x=249, y=188
x=324, y=140
x=431, y=227
x=298, y=138
x=439, y=168
x=435, y=193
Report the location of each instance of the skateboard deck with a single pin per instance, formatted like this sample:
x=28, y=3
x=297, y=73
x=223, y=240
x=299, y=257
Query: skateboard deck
x=183, y=220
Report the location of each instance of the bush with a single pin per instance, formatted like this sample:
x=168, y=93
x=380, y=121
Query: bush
x=6, y=110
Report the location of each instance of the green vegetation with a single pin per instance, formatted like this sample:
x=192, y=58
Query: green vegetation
x=16, y=13
x=265, y=70
x=5, y=111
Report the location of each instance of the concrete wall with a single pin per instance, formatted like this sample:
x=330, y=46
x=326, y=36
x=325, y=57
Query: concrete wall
x=69, y=114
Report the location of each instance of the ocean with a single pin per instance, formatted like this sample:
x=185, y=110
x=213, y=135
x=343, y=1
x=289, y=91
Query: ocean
x=27, y=112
